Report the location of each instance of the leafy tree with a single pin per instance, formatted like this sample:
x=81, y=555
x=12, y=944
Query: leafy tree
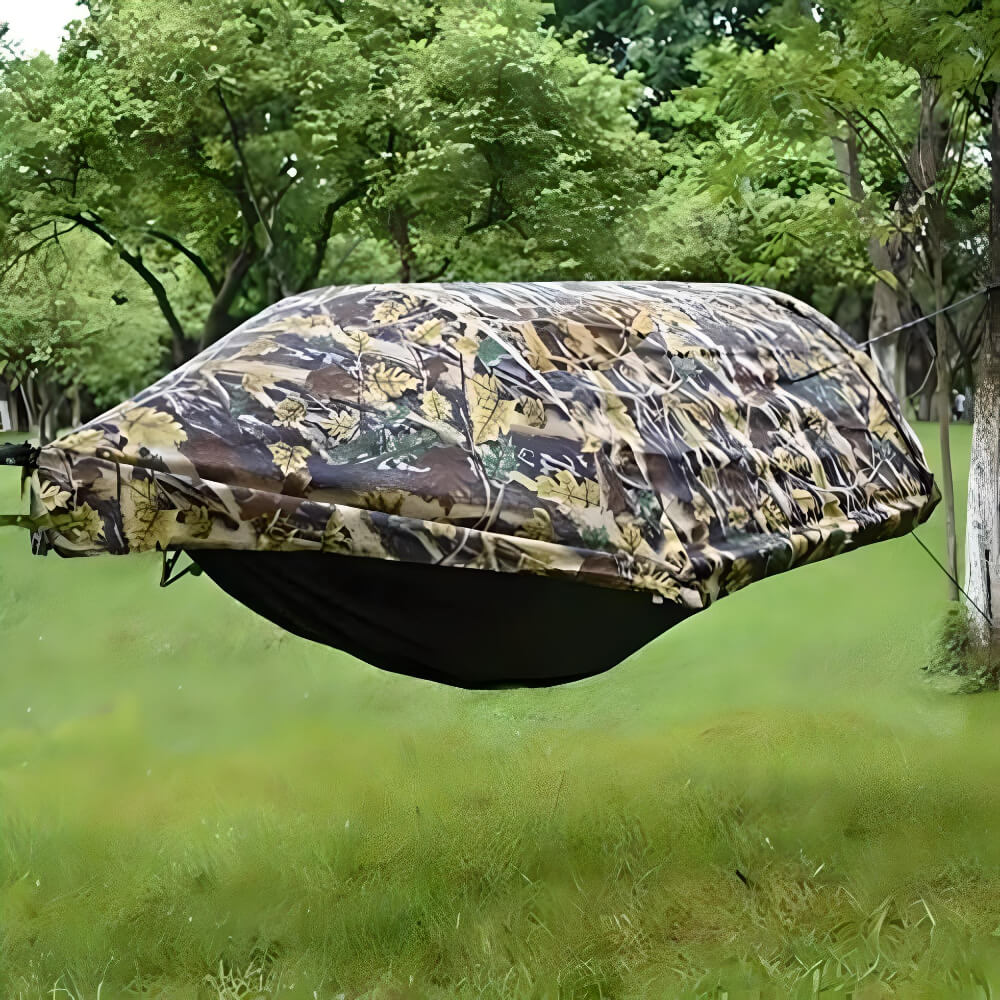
x=954, y=48
x=969, y=66
x=505, y=127
x=171, y=134
x=76, y=327
x=253, y=146
x=659, y=39
x=740, y=204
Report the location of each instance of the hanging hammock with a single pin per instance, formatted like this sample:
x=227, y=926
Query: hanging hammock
x=490, y=484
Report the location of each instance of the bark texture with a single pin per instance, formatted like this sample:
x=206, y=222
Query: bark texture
x=944, y=426
x=982, y=546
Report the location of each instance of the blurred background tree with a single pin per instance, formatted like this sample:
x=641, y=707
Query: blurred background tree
x=255, y=150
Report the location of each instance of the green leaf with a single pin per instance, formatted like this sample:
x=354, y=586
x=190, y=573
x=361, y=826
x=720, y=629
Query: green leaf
x=889, y=278
x=499, y=458
x=490, y=352
x=595, y=538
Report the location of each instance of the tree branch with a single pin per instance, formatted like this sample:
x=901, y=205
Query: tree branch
x=435, y=274
x=53, y=237
x=218, y=321
x=892, y=149
x=136, y=263
x=325, y=232
x=950, y=186
x=234, y=132
x=195, y=259
x=343, y=257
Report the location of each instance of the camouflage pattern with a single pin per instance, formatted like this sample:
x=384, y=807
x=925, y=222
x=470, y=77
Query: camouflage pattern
x=678, y=439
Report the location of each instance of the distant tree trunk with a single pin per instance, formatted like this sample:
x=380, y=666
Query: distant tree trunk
x=74, y=397
x=944, y=419
x=982, y=542
x=46, y=403
x=899, y=379
x=970, y=385
x=399, y=230
x=27, y=398
x=925, y=409
x=51, y=401
x=9, y=401
x=885, y=315
x=888, y=261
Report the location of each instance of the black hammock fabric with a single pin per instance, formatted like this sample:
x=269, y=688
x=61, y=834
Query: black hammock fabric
x=472, y=630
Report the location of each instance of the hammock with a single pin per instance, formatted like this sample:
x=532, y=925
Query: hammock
x=489, y=484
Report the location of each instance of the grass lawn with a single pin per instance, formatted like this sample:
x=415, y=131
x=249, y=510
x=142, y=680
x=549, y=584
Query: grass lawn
x=770, y=800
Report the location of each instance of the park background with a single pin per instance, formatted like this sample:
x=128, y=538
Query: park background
x=774, y=796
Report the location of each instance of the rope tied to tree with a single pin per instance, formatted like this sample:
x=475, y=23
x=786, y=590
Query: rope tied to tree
x=896, y=329
x=961, y=589
x=922, y=319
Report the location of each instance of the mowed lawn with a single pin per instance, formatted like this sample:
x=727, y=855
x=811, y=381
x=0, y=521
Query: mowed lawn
x=770, y=800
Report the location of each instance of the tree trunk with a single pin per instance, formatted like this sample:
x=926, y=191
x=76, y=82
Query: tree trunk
x=8, y=399
x=74, y=395
x=885, y=315
x=886, y=260
x=219, y=322
x=45, y=412
x=925, y=404
x=944, y=420
x=399, y=230
x=982, y=542
x=899, y=381
x=27, y=397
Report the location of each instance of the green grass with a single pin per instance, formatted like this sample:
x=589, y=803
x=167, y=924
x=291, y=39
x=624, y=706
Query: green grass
x=195, y=804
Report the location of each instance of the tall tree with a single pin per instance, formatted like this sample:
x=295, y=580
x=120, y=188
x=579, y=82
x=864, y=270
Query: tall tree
x=742, y=202
x=249, y=144
x=961, y=56
x=506, y=132
x=658, y=39
x=76, y=327
x=982, y=540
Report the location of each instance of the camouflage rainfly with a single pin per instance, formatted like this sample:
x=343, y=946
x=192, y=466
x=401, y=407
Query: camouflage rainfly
x=670, y=441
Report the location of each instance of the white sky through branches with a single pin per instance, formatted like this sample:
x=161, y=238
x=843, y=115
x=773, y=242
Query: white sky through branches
x=37, y=25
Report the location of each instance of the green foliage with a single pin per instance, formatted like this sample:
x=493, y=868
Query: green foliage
x=229, y=153
x=73, y=316
x=955, y=651
x=235, y=138
x=659, y=39
x=741, y=203
x=955, y=42
x=793, y=163
x=506, y=127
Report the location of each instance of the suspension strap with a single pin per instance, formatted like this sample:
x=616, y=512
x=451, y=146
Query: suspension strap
x=167, y=575
x=941, y=566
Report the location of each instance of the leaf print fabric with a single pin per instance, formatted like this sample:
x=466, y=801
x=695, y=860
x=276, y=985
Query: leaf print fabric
x=676, y=439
